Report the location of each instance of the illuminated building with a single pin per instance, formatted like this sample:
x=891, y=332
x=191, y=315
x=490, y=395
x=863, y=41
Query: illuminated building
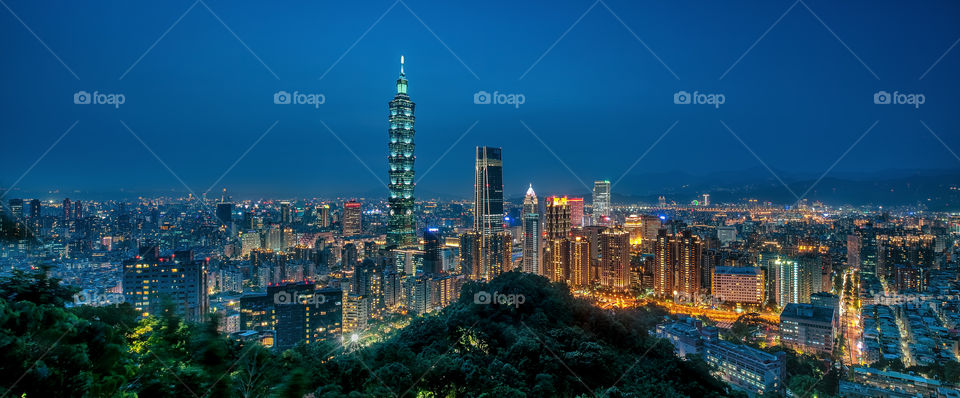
x=910, y=278
x=356, y=313
x=580, y=265
x=150, y=281
x=634, y=225
x=678, y=259
x=615, y=259
x=249, y=241
x=747, y=368
x=794, y=280
x=488, y=212
x=557, y=218
x=808, y=328
x=576, y=212
x=352, y=218
x=556, y=260
x=401, y=225
x=323, y=216
x=738, y=284
x=908, y=250
x=601, y=201
x=531, y=233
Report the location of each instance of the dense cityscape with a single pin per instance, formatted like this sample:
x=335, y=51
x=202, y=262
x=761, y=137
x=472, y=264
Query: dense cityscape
x=731, y=286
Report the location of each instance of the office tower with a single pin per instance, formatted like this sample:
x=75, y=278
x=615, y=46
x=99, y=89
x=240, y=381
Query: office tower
x=531, y=232
x=225, y=213
x=323, y=216
x=352, y=218
x=286, y=213
x=400, y=225
x=557, y=218
x=432, y=260
x=808, y=328
x=67, y=210
x=150, y=282
x=580, y=263
x=615, y=259
x=743, y=285
x=576, y=212
x=678, y=258
x=470, y=255
x=488, y=211
x=601, y=202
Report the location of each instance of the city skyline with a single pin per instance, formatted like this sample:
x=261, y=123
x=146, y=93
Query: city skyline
x=230, y=123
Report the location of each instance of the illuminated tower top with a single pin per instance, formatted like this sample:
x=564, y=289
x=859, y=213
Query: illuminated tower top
x=402, y=80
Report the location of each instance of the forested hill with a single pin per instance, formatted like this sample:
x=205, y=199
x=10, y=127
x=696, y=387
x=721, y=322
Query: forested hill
x=546, y=343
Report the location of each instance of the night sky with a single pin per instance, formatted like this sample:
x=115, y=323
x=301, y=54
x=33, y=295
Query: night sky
x=798, y=87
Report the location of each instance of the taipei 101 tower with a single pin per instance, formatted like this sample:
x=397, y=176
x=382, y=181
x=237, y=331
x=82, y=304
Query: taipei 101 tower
x=401, y=230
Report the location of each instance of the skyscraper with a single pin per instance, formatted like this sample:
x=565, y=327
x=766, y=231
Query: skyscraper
x=400, y=226
x=531, y=232
x=601, y=201
x=488, y=210
x=352, y=218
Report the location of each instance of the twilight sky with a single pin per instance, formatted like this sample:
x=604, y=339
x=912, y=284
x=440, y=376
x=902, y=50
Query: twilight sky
x=598, y=79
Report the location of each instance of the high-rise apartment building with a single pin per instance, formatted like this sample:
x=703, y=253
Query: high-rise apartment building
x=677, y=263
x=557, y=218
x=615, y=259
x=401, y=226
x=576, y=212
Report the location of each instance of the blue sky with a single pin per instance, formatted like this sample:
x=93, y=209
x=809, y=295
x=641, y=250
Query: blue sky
x=798, y=91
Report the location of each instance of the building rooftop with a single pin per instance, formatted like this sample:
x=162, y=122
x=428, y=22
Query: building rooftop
x=810, y=312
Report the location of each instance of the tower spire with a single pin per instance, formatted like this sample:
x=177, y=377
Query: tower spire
x=401, y=66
